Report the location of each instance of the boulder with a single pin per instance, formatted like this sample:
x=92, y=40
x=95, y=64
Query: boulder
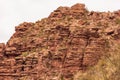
x=78, y=6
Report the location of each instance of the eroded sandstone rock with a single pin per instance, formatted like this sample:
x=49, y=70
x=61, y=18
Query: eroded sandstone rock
x=2, y=50
x=70, y=40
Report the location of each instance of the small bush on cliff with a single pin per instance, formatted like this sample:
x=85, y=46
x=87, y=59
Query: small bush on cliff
x=117, y=21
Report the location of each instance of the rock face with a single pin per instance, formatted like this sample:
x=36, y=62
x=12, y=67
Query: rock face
x=2, y=49
x=70, y=40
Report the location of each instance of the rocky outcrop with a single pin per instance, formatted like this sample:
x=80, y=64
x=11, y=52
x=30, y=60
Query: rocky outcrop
x=76, y=10
x=70, y=40
x=2, y=49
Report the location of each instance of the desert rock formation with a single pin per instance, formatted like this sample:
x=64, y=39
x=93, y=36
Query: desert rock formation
x=70, y=40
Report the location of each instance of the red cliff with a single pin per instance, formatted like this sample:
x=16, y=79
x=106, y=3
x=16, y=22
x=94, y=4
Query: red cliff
x=66, y=44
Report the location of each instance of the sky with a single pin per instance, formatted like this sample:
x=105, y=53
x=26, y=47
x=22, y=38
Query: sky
x=14, y=12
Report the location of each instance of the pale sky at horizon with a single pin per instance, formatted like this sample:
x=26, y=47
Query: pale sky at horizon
x=14, y=12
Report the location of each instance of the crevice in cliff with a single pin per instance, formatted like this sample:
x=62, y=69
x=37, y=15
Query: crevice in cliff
x=82, y=66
